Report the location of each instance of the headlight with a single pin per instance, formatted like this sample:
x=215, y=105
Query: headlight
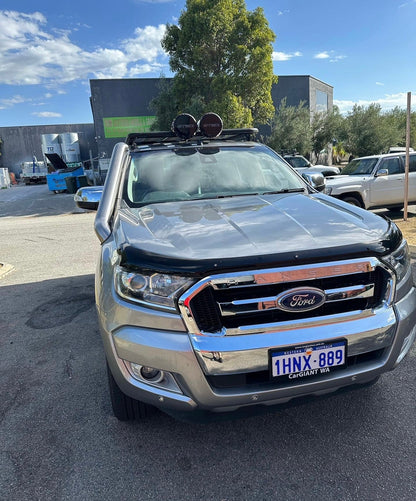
x=154, y=289
x=328, y=190
x=399, y=260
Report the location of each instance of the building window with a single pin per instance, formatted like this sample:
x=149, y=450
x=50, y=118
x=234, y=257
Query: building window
x=321, y=101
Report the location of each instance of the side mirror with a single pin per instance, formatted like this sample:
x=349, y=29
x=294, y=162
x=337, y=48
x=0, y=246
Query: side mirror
x=382, y=172
x=88, y=197
x=315, y=179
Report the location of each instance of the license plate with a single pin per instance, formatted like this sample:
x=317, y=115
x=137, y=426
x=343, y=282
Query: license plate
x=308, y=360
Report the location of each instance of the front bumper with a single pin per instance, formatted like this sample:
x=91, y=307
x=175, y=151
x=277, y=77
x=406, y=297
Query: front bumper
x=195, y=361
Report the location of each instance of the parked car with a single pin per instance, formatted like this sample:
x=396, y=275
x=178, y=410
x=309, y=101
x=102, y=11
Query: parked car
x=88, y=197
x=227, y=282
x=375, y=181
x=398, y=149
x=301, y=164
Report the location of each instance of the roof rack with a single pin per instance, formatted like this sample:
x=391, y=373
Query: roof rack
x=135, y=139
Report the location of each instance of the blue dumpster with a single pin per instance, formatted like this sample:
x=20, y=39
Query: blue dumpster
x=56, y=180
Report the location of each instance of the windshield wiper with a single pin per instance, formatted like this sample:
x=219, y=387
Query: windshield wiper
x=250, y=194
x=236, y=195
x=286, y=190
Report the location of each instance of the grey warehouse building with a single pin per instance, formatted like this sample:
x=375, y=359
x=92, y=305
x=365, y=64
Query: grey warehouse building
x=121, y=106
x=318, y=96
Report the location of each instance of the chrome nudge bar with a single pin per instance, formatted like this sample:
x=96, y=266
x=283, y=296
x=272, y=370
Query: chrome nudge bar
x=243, y=302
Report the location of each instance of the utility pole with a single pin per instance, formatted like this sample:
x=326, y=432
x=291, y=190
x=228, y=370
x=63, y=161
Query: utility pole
x=406, y=169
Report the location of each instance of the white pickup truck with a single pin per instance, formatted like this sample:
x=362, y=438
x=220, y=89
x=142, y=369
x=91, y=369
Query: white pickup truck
x=33, y=172
x=374, y=182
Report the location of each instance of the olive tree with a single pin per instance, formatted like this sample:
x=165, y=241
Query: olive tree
x=396, y=120
x=327, y=128
x=369, y=131
x=291, y=129
x=221, y=57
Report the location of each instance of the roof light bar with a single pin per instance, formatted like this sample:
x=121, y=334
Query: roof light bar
x=210, y=125
x=184, y=126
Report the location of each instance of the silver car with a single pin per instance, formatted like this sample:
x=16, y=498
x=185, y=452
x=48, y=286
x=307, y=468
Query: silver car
x=301, y=164
x=226, y=282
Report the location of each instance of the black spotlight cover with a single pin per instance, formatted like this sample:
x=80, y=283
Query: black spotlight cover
x=184, y=126
x=210, y=125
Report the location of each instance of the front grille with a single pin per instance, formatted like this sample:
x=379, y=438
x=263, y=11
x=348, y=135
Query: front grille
x=234, y=303
x=206, y=312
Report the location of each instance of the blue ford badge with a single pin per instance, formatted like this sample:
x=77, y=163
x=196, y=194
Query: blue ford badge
x=300, y=299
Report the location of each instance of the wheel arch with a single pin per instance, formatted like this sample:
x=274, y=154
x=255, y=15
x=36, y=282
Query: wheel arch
x=352, y=195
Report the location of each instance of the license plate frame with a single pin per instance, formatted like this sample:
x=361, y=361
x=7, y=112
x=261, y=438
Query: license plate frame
x=283, y=359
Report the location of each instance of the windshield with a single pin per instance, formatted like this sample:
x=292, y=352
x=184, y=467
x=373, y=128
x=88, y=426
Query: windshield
x=191, y=173
x=360, y=166
x=297, y=161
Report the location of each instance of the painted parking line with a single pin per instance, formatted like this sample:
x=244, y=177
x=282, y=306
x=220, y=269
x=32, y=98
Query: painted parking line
x=5, y=268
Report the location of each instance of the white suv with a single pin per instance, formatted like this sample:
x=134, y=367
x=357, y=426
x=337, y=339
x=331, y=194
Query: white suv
x=300, y=163
x=374, y=182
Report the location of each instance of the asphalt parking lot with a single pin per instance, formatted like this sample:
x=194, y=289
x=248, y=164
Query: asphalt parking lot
x=59, y=440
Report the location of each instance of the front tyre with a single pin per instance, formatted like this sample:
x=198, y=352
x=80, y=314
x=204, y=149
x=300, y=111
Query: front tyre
x=353, y=200
x=124, y=407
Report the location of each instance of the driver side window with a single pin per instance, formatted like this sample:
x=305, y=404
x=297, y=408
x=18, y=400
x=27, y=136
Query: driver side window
x=392, y=165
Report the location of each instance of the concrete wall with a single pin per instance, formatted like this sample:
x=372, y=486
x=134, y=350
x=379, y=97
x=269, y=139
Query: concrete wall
x=19, y=144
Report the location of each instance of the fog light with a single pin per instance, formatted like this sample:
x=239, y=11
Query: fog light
x=147, y=373
x=150, y=373
x=153, y=377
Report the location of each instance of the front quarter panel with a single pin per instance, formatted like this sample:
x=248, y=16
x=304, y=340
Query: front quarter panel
x=344, y=185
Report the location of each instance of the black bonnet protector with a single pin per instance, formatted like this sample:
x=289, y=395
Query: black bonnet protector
x=135, y=258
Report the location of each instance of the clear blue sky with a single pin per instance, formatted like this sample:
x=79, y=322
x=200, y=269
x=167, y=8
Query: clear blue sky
x=49, y=50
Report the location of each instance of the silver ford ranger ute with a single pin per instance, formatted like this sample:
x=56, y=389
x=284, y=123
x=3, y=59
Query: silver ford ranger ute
x=225, y=281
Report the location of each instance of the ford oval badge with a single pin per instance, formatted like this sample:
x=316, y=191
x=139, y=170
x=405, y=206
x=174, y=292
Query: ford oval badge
x=301, y=299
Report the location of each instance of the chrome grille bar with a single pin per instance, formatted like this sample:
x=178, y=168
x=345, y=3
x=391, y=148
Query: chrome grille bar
x=253, y=305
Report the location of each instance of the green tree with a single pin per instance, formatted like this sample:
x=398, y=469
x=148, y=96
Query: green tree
x=326, y=128
x=369, y=131
x=291, y=129
x=164, y=106
x=396, y=121
x=221, y=56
